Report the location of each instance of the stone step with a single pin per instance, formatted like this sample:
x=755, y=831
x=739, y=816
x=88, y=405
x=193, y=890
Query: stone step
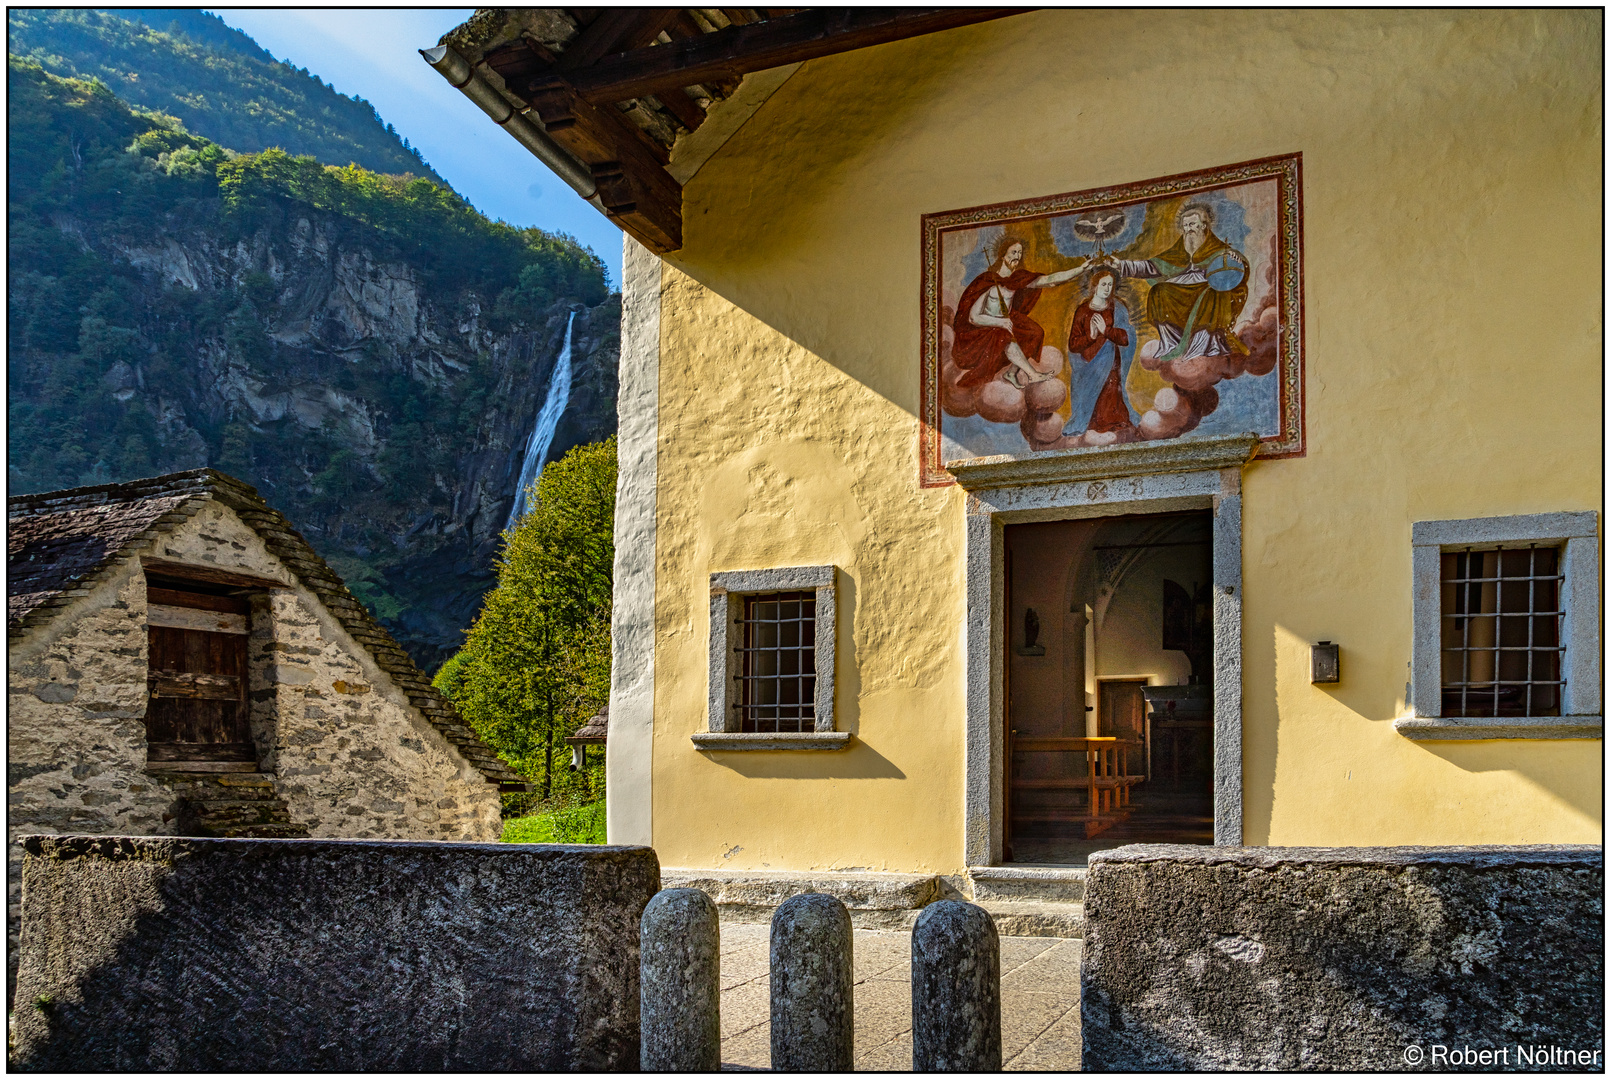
x=875, y=901
x=217, y=782
x=1023, y=901
x=261, y=810
x=1036, y=918
x=248, y=795
x=245, y=782
x=228, y=803
x=1054, y=884
x=860, y=918
x=232, y=805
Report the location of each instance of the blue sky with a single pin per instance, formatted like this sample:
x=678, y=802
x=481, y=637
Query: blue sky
x=372, y=53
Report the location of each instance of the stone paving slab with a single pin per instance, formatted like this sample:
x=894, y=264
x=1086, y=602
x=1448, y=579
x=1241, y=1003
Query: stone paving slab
x=1057, y=1049
x=1026, y=1017
x=1040, y=998
x=745, y=1006
x=1058, y=966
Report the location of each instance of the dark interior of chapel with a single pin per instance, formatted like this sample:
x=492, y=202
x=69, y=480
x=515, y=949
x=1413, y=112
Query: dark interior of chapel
x=1109, y=666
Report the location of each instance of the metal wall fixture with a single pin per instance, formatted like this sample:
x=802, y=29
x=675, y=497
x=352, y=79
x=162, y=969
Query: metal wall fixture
x=1325, y=665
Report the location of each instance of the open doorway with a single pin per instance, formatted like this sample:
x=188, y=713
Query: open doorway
x=1109, y=701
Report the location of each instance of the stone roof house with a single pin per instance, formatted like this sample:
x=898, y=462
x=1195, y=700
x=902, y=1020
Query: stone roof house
x=181, y=662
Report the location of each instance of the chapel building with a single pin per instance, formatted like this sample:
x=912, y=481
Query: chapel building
x=1042, y=431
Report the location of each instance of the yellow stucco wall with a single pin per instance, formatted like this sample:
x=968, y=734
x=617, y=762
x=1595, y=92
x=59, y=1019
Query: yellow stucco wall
x=1452, y=230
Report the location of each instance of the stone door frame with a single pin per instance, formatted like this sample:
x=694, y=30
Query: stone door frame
x=1145, y=478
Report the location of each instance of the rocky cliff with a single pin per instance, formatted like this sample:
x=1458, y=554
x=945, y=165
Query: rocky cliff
x=345, y=326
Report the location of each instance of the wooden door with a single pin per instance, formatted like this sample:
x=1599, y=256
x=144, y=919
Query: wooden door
x=1122, y=713
x=198, y=679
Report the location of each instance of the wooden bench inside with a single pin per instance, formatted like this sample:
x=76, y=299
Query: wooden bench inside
x=1106, y=780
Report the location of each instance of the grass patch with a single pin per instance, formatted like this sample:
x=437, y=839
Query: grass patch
x=536, y=829
x=559, y=825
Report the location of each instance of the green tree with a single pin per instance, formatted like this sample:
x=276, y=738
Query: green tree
x=536, y=664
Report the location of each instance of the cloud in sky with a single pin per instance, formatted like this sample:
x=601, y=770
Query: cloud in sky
x=372, y=53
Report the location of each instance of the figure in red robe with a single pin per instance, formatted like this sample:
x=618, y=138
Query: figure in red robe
x=994, y=332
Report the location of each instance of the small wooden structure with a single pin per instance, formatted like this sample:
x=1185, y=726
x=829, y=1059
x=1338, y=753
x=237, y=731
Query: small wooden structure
x=593, y=733
x=1180, y=723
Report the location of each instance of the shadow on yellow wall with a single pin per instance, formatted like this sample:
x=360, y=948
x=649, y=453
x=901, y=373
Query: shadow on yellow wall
x=858, y=762
x=1441, y=149
x=1324, y=765
x=1548, y=764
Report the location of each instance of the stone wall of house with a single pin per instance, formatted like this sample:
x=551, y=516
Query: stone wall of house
x=76, y=696
x=163, y=954
x=350, y=756
x=347, y=753
x=1375, y=959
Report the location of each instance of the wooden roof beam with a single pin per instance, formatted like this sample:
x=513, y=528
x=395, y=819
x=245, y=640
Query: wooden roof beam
x=632, y=186
x=738, y=50
x=683, y=107
x=615, y=30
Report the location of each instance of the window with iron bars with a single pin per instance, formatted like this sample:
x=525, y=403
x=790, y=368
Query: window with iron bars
x=1502, y=642
x=778, y=674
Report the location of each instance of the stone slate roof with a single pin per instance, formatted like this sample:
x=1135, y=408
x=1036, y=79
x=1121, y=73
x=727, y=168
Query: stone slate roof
x=62, y=544
x=596, y=730
x=53, y=545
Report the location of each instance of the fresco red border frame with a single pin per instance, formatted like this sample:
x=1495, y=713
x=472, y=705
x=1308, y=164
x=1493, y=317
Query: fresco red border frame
x=1286, y=169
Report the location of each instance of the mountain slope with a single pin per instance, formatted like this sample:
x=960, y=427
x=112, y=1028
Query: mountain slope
x=202, y=27
x=216, y=80
x=368, y=350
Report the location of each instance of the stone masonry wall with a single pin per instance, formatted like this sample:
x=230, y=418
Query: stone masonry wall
x=161, y=954
x=76, y=696
x=349, y=756
x=1232, y=959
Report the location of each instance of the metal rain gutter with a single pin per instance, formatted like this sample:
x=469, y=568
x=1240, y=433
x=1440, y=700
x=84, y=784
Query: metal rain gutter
x=462, y=77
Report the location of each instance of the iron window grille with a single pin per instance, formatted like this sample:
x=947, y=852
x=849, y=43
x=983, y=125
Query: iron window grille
x=1502, y=641
x=778, y=675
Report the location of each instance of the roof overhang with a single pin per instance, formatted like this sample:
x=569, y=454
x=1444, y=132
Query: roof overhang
x=626, y=104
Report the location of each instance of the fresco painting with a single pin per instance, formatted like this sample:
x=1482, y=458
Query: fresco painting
x=1149, y=311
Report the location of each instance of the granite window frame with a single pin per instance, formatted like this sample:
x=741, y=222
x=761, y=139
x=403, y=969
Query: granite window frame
x=728, y=591
x=1577, y=534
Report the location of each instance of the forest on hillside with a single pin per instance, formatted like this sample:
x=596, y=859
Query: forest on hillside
x=216, y=80
x=232, y=265
x=82, y=160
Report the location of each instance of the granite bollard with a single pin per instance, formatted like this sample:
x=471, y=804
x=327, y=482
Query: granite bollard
x=956, y=990
x=813, y=1014
x=680, y=983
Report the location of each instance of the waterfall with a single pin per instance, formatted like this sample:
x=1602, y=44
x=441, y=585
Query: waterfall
x=542, y=434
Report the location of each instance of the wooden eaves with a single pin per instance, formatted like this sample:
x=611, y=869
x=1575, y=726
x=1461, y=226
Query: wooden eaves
x=613, y=88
